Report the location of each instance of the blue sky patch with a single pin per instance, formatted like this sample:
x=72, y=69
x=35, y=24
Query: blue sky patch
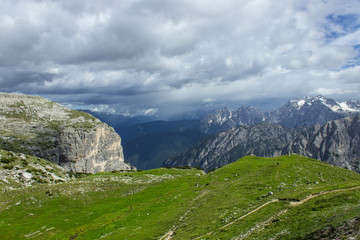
x=348, y=23
x=354, y=61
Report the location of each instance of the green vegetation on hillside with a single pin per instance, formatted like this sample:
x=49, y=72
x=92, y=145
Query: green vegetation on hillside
x=288, y=197
x=18, y=170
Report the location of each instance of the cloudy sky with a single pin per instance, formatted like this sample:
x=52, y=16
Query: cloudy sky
x=168, y=56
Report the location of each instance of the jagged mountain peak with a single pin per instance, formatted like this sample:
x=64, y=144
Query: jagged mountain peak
x=309, y=101
x=307, y=111
x=349, y=106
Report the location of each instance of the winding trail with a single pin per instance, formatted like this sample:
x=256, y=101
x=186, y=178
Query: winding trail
x=311, y=196
x=243, y=216
x=168, y=235
x=292, y=204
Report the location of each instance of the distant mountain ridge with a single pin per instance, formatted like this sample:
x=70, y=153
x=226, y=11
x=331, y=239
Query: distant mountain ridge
x=337, y=142
x=308, y=112
x=223, y=119
x=146, y=146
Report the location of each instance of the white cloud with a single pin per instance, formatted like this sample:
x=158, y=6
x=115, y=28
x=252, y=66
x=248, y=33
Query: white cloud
x=150, y=112
x=331, y=91
x=136, y=55
x=348, y=75
x=351, y=39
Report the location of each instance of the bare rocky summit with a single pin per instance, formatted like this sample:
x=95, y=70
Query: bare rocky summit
x=74, y=140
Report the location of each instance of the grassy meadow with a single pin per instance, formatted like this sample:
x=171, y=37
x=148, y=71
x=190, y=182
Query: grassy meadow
x=288, y=197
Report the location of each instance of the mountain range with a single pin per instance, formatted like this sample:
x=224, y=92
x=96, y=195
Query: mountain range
x=147, y=145
x=337, y=142
x=36, y=126
x=308, y=112
x=285, y=197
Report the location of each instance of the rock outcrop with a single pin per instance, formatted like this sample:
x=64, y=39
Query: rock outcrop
x=18, y=170
x=95, y=150
x=337, y=143
x=72, y=139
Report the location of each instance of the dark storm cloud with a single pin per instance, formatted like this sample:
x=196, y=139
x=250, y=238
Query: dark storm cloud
x=20, y=80
x=152, y=56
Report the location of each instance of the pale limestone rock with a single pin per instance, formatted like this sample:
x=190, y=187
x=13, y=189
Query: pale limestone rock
x=74, y=140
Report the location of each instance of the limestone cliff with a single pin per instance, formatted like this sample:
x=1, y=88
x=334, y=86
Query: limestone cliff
x=74, y=140
x=94, y=150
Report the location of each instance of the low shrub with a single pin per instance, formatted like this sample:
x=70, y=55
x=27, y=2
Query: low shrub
x=8, y=159
x=9, y=167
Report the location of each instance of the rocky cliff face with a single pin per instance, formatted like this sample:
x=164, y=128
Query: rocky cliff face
x=95, y=150
x=74, y=140
x=261, y=140
x=337, y=143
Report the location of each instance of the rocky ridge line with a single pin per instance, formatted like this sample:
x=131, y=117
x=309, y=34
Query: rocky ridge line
x=307, y=112
x=337, y=143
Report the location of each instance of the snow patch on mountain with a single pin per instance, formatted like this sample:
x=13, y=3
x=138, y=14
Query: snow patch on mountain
x=334, y=108
x=345, y=107
x=301, y=103
x=337, y=107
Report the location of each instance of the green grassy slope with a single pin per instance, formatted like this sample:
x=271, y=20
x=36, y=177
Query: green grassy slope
x=250, y=198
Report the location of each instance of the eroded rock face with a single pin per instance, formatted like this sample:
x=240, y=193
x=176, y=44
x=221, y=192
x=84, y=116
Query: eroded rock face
x=267, y=140
x=74, y=140
x=337, y=143
x=95, y=150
